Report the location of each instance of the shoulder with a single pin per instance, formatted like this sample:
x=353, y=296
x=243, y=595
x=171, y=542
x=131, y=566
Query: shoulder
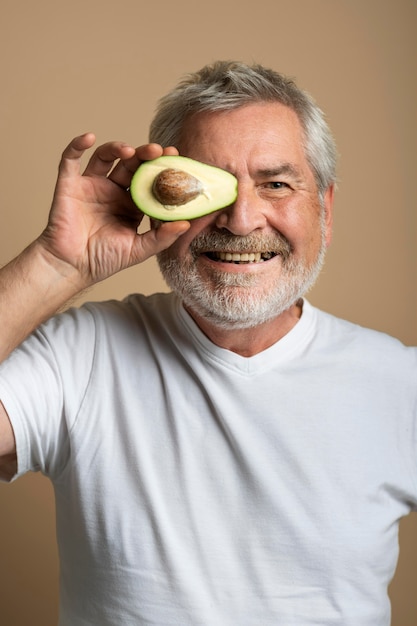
x=111, y=313
x=344, y=337
x=134, y=305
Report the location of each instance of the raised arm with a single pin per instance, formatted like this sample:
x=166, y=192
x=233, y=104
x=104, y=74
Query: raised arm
x=91, y=234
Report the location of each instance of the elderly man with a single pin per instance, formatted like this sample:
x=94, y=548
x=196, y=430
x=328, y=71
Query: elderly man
x=226, y=454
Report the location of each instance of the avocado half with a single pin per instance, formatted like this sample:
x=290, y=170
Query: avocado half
x=173, y=188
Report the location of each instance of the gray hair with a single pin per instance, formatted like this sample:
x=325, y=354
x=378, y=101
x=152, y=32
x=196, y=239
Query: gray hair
x=227, y=85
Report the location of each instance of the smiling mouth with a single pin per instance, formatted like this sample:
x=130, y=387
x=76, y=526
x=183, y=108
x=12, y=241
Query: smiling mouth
x=252, y=249
x=240, y=257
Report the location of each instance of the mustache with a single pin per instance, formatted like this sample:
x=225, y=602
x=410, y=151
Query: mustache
x=225, y=242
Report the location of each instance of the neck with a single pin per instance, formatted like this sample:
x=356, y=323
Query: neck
x=250, y=341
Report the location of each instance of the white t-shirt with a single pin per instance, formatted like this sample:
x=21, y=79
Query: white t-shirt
x=196, y=487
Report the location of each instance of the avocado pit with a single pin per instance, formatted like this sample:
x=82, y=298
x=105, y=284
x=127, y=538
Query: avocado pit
x=174, y=187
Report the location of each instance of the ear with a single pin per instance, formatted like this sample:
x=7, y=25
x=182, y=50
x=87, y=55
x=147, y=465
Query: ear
x=328, y=213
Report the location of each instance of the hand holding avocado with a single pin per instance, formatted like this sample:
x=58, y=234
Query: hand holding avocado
x=93, y=222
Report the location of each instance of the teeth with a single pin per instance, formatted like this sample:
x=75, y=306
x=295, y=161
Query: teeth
x=236, y=257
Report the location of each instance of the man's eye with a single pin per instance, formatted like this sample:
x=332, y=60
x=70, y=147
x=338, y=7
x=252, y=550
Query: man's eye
x=276, y=184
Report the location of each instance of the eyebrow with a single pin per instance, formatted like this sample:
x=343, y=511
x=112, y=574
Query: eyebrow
x=284, y=168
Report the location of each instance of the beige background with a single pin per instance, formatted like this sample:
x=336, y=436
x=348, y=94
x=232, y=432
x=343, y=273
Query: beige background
x=69, y=67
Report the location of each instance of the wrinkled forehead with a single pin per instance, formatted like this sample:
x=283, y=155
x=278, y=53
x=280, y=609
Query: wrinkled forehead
x=269, y=133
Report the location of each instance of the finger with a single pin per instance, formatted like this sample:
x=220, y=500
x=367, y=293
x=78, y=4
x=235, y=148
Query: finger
x=153, y=151
x=171, y=151
x=149, y=151
x=71, y=156
x=105, y=156
x=157, y=239
x=124, y=170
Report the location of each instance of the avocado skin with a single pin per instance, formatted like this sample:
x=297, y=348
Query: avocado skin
x=219, y=189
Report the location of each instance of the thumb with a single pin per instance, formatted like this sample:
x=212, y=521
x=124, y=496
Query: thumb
x=158, y=238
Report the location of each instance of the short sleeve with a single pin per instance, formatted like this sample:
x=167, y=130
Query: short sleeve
x=42, y=385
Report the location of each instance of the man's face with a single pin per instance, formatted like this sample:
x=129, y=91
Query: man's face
x=247, y=263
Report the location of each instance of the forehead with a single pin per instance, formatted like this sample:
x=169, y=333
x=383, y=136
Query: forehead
x=265, y=132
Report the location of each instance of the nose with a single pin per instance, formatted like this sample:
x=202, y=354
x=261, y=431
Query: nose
x=245, y=215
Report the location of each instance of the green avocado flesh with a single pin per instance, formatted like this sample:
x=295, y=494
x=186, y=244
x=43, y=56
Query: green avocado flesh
x=172, y=188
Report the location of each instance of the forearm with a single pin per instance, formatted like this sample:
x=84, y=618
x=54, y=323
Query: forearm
x=33, y=287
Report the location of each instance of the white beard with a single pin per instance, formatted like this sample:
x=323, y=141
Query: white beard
x=230, y=300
